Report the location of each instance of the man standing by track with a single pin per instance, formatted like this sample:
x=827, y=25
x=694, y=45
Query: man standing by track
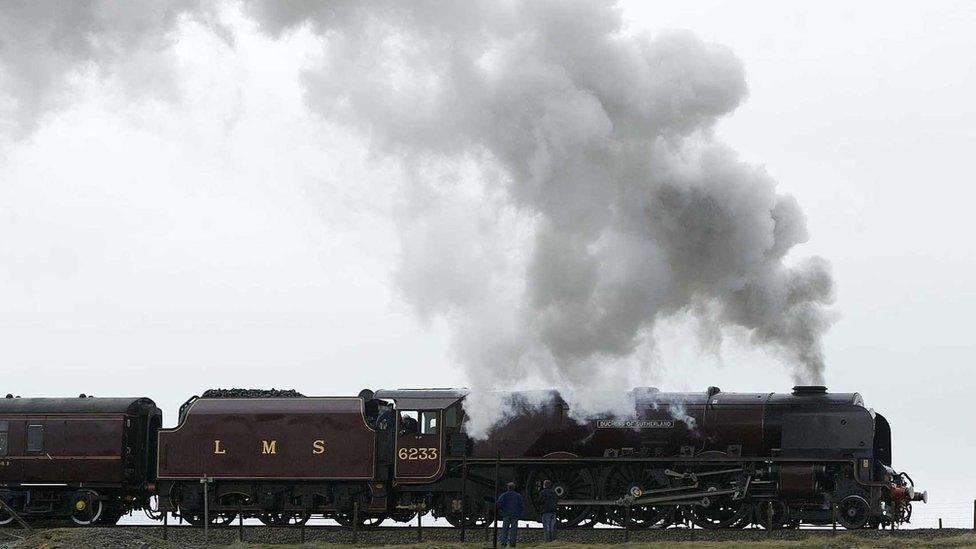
x=548, y=499
x=510, y=505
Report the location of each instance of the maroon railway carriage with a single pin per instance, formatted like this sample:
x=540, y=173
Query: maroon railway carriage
x=91, y=459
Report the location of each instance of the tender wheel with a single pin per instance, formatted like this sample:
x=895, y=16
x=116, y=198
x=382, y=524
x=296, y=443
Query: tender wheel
x=772, y=515
x=86, y=509
x=853, y=512
x=635, y=482
x=152, y=509
x=718, y=511
x=365, y=520
x=591, y=520
x=216, y=519
x=403, y=516
x=569, y=483
x=284, y=519
x=474, y=513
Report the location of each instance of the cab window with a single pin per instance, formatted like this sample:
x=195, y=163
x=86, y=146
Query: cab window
x=428, y=423
x=452, y=417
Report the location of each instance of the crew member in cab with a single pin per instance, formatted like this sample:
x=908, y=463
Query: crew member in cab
x=409, y=425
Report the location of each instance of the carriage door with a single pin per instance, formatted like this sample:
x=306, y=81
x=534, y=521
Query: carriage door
x=418, y=447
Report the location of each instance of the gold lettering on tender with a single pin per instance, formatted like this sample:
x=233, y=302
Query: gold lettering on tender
x=318, y=447
x=269, y=446
x=218, y=449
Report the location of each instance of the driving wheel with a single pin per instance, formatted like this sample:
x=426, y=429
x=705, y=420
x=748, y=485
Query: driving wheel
x=569, y=483
x=635, y=482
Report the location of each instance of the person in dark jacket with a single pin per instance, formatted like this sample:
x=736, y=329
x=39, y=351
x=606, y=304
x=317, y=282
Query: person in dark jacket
x=548, y=500
x=510, y=507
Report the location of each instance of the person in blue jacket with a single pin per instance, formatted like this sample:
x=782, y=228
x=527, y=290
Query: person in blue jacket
x=510, y=507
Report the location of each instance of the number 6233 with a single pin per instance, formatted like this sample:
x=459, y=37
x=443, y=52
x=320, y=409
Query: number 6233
x=414, y=454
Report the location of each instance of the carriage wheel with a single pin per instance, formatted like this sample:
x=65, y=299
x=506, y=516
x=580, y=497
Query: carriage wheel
x=5, y=517
x=853, y=512
x=87, y=509
x=568, y=483
x=635, y=481
x=284, y=519
x=719, y=511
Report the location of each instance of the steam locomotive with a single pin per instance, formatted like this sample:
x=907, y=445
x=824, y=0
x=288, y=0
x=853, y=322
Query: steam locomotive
x=716, y=459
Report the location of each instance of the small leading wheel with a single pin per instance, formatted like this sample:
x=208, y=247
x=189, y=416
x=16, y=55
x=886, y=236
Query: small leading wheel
x=719, y=511
x=903, y=512
x=86, y=508
x=853, y=512
x=772, y=515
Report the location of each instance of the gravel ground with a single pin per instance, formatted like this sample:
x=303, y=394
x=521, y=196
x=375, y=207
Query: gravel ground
x=151, y=538
x=102, y=538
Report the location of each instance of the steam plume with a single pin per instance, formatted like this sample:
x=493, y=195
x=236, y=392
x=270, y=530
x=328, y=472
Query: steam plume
x=564, y=190
x=45, y=43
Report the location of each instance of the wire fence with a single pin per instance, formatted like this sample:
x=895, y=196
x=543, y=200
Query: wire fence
x=952, y=515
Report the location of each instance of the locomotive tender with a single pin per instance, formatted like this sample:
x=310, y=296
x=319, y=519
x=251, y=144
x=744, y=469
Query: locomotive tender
x=719, y=460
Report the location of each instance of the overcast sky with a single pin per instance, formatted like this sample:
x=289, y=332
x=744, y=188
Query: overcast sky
x=184, y=220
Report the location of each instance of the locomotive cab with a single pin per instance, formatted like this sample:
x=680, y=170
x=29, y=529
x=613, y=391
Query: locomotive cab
x=425, y=420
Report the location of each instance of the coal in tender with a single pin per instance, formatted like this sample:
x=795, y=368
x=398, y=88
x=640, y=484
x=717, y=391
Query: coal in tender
x=252, y=393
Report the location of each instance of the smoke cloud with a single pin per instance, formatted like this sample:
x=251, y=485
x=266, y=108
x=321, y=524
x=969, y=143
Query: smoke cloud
x=566, y=191
x=44, y=44
x=563, y=188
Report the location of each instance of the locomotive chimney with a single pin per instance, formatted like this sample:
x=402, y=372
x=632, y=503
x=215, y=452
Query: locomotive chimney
x=809, y=390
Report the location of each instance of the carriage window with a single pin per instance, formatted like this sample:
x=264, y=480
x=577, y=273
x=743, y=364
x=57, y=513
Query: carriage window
x=3, y=437
x=428, y=423
x=35, y=438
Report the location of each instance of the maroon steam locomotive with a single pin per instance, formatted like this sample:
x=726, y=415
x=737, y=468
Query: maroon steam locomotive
x=719, y=460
